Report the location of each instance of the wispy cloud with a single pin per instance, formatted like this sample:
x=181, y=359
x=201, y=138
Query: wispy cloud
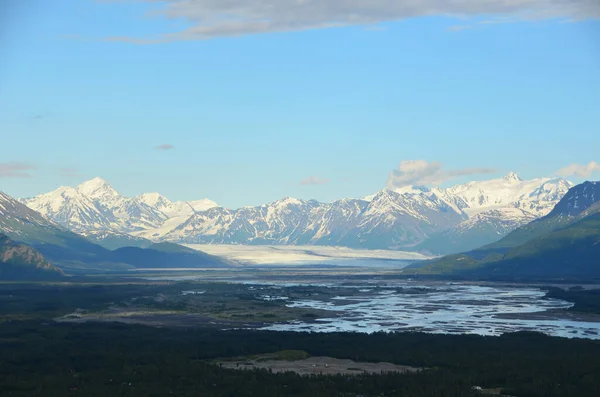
x=217, y=18
x=580, y=170
x=421, y=172
x=16, y=170
x=69, y=172
x=483, y=23
x=313, y=180
x=165, y=146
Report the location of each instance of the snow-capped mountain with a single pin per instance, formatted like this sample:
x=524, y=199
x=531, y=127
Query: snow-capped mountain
x=279, y=222
x=332, y=224
x=396, y=220
x=170, y=208
x=176, y=212
x=94, y=208
x=437, y=220
x=536, y=196
x=67, y=206
x=124, y=214
x=100, y=192
x=25, y=225
x=580, y=201
x=389, y=220
x=500, y=221
x=480, y=229
x=17, y=220
x=495, y=208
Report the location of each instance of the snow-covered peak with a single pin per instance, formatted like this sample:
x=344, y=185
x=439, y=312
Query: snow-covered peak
x=346, y=201
x=92, y=184
x=98, y=189
x=53, y=201
x=531, y=195
x=386, y=195
x=154, y=200
x=287, y=201
x=175, y=209
x=70, y=208
x=202, y=205
x=512, y=177
x=404, y=190
x=281, y=203
x=536, y=196
x=552, y=189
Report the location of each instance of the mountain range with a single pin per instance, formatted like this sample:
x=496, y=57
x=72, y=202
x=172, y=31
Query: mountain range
x=74, y=253
x=429, y=220
x=563, y=243
x=94, y=206
x=546, y=233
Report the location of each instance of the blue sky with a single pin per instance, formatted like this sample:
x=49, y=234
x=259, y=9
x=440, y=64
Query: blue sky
x=256, y=102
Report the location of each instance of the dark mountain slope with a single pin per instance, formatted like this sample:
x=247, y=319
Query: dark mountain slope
x=565, y=243
x=155, y=258
x=580, y=201
x=570, y=251
x=21, y=262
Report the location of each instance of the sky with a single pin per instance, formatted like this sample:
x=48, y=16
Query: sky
x=247, y=102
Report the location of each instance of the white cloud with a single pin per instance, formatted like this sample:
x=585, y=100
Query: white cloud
x=313, y=180
x=580, y=170
x=16, y=170
x=219, y=18
x=421, y=172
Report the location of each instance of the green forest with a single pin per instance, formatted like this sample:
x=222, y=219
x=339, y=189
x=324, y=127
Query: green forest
x=39, y=357
x=45, y=359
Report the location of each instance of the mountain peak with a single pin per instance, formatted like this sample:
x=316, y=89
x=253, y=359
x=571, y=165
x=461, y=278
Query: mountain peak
x=202, y=204
x=512, y=177
x=97, y=181
x=386, y=194
x=287, y=200
x=153, y=199
x=97, y=188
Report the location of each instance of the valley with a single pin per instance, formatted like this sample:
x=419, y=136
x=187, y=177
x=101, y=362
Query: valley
x=137, y=337
x=299, y=198
x=298, y=297
x=318, y=302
